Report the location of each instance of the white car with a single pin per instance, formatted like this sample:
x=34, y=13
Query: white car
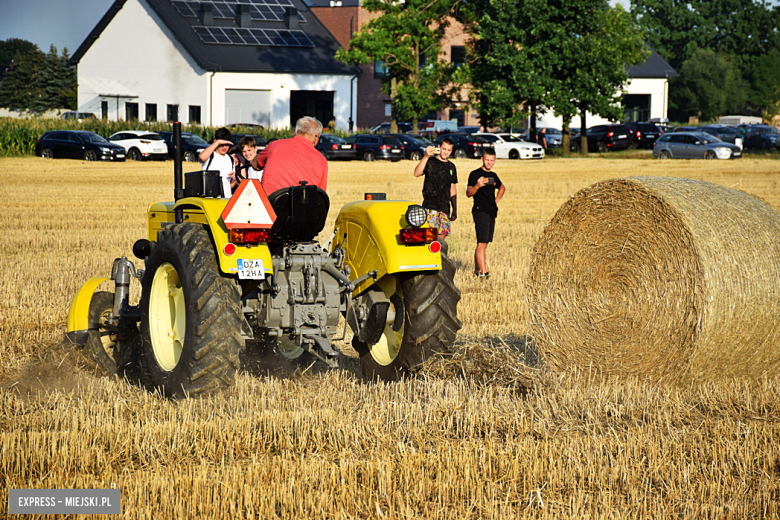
x=141, y=144
x=510, y=146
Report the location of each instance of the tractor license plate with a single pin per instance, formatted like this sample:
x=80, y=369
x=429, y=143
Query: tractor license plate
x=250, y=270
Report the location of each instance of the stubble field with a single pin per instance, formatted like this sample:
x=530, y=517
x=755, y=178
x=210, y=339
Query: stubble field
x=480, y=435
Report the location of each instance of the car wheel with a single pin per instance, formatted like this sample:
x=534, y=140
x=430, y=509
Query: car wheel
x=663, y=154
x=369, y=156
x=514, y=154
x=459, y=154
x=189, y=156
x=574, y=147
x=47, y=153
x=134, y=154
x=764, y=145
x=415, y=156
x=710, y=155
x=601, y=146
x=90, y=155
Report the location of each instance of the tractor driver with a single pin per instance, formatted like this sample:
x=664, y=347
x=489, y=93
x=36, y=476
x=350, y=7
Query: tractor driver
x=286, y=162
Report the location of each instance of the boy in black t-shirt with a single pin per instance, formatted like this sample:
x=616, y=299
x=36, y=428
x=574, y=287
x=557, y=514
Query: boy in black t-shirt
x=439, y=190
x=482, y=186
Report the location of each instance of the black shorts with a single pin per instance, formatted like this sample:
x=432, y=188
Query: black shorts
x=485, y=225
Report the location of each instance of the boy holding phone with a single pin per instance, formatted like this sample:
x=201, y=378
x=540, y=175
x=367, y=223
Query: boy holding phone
x=482, y=186
x=440, y=198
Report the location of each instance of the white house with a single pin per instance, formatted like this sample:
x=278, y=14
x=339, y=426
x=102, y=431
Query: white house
x=216, y=62
x=646, y=96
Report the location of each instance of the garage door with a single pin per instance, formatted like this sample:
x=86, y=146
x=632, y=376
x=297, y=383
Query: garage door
x=248, y=106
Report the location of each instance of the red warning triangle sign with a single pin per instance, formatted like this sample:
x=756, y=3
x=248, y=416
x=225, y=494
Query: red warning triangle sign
x=249, y=207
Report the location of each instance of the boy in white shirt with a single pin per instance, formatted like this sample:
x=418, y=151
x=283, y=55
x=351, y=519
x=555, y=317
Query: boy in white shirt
x=216, y=158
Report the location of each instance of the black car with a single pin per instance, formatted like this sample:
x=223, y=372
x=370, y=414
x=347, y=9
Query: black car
x=191, y=145
x=761, y=136
x=371, y=147
x=602, y=138
x=78, y=144
x=235, y=138
x=644, y=134
x=335, y=147
x=414, y=147
x=464, y=145
x=726, y=133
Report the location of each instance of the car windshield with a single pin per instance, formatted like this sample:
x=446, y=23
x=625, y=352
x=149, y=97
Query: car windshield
x=477, y=139
x=193, y=139
x=511, y=138
x=488, y=138
x=392, y=141
x=92, y=137
x=554, y=131
x=332, y=139
x=151, y=137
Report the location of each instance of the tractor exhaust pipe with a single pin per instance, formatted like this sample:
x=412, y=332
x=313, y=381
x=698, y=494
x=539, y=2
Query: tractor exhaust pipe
x=178, y=192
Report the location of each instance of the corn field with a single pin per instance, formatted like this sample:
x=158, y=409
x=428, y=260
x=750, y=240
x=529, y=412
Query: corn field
x=483, y=433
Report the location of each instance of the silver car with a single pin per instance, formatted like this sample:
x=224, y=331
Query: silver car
x=694, y=145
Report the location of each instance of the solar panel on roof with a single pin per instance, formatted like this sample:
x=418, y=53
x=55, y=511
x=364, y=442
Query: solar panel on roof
x=226, y=9
x=265, y=37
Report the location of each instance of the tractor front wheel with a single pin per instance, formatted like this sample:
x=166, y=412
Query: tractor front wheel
x=429, y=303
x=190, y=315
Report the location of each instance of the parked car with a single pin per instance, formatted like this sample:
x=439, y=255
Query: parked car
x=685, y=129
x=335, y=147
x=384, y=128
x=259, y=141
x=414, y=147
x=192, y=145
x=761, y=136
x=553, y=135
x=78, y=144
x=433, y=129
x=644, y=134
x=464, y=145
x=141, y=144
x=468, y=129
x=726, y=133
x=371, y=147
x=694, y=145
x=77, y=116
x=602, y=138
x=508, y=146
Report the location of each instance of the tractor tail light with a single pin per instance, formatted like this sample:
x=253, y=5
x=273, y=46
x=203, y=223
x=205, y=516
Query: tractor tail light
x=417, y=236
x=249, y=236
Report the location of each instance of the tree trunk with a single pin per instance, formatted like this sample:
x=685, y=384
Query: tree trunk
x=415, y=125
x=566, y=136
x=583, y=133
x=393, y=112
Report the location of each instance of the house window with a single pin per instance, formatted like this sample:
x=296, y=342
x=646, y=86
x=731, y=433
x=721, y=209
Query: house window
x=173, y=113
x=194, y=114
x=151, y=112
x=458, y=55
x=104, y=109
x=636, y=107
x=131, y=111
x=388, y=109
x=380, y=69
x=459, y=116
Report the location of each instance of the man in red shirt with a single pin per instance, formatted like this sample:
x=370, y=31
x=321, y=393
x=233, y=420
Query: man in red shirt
x=286, y=162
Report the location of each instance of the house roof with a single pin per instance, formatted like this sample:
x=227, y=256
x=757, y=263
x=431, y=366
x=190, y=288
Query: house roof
x=654, y=67
x=316, y=56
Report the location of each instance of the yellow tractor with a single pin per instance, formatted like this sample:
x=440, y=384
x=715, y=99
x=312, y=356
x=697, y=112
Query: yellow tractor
x=225, y=274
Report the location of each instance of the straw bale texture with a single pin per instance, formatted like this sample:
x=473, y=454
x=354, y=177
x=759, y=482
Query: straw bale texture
x=660, y=277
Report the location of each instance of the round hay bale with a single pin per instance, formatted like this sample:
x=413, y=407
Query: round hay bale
x=659, y=277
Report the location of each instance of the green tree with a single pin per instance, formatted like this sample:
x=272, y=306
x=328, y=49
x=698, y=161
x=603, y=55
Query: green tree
x=567, y=56
x=710, y=85
x=11, y=47
x=743, y=32
x=406, y=38
x=39, y=82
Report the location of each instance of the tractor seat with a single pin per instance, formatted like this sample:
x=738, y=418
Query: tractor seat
x=300, y=213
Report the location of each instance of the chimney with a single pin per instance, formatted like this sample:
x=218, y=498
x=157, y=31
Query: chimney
x=243, y=18
x=206, y=14
x=291, y=19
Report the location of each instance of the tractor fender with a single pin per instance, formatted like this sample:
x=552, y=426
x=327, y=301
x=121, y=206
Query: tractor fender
x=208, y=211
x=78, y=315
x=368, y=232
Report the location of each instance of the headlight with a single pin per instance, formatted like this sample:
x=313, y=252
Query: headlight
x=723, y=153
x=200, y=150
x=105, y=150
x=416, y=215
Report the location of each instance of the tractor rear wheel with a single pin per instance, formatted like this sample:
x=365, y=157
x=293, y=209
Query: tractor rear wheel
x=112, y=346
x=429, y=303
x=191, y=316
